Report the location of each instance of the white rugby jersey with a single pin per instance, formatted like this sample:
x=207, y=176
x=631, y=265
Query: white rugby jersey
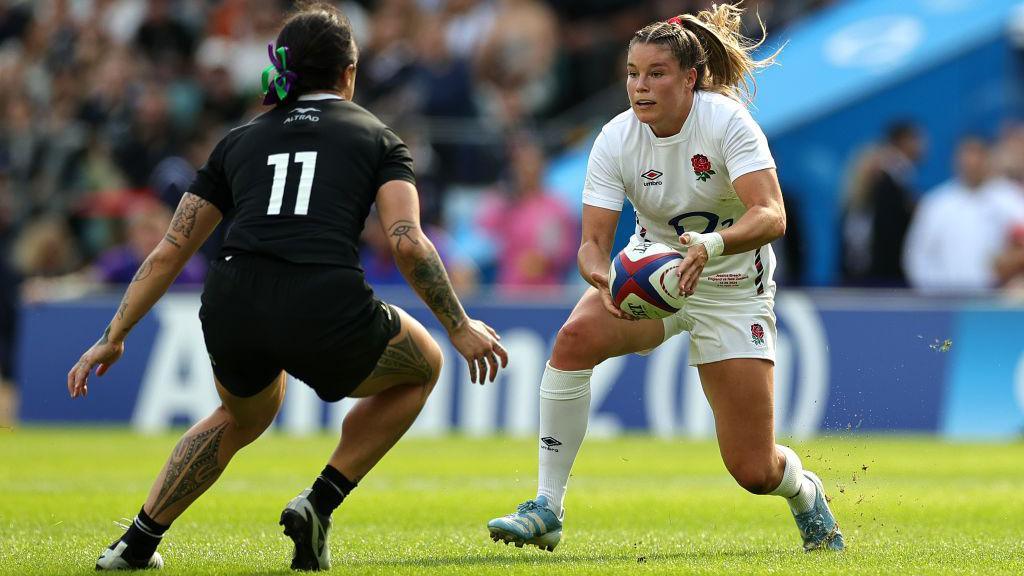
x=683, y=183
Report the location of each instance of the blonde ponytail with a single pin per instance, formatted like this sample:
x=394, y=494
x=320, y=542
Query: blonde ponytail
x=730, y=65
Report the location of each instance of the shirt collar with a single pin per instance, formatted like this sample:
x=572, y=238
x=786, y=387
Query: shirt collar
x=320, y=96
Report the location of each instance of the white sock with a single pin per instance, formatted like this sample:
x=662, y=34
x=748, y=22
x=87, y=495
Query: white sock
x=564, y=411
x=798, y=490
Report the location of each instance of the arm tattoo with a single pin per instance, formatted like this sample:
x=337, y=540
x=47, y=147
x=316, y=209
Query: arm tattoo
x=124, y=304
x=431, y=281
x=172, y=240
x=185, y=216
x=403, y=358
x=402, y=230
x=144, y=270
x=106, y=336
x=191, y=469
x=124, y=308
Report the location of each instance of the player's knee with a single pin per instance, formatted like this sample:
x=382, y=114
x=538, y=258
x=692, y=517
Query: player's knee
x=435, y=359
x=248, y=428
x=425, y=378
x=754, y=477
x=248, y=434
x=577, y=346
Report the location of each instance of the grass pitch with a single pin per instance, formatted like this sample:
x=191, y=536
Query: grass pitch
x=636, y=505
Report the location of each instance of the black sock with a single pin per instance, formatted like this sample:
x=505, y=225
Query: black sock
x=329, y=490
x=143, y=536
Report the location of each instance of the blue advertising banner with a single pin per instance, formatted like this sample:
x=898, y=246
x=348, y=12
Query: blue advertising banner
x=987, y=356
x=844, y=363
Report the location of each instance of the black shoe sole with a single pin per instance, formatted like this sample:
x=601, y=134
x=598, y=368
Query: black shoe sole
x=297, y=528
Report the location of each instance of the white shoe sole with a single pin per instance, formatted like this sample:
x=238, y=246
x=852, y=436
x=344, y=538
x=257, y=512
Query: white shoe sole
x=116, y=562
x=547, y=541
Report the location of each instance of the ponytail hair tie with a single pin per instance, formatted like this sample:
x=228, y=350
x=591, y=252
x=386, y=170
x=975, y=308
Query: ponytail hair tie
x=283, y=79
x=675, y=20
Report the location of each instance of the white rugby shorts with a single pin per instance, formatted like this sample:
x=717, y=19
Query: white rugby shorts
x=721, y=330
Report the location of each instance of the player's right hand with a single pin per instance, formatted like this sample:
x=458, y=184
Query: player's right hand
x=600, y=281
x=478, y=344
x=100, y=356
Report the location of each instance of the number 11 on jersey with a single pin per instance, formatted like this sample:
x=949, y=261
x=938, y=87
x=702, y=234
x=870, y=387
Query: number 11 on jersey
x=280, y=163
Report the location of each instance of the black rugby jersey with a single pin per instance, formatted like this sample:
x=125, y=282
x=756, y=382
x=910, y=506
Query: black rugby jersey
x=299, y=180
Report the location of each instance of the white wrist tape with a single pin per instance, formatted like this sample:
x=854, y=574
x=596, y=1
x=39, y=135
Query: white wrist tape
x=712, y=242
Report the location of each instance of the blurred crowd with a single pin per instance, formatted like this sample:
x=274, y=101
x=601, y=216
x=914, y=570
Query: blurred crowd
x=112, y=105
x=966, y=236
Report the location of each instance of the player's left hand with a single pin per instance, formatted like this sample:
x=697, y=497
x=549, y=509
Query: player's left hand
x=479, y=345
x=100, y=356
x=692, y=265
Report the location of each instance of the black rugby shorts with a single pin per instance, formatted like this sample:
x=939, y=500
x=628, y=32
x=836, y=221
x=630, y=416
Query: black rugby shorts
x=321, y=324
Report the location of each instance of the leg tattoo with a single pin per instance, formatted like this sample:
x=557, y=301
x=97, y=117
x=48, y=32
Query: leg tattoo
x=191, y=468
x=403, y=357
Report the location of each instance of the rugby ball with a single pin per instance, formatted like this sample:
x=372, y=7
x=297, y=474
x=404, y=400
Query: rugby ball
x=643, y=280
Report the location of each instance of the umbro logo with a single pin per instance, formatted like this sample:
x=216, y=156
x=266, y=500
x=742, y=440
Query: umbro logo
x=550, y=442
x=652, y=177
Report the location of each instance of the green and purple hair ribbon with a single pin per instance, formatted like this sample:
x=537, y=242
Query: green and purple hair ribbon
x=283, y=79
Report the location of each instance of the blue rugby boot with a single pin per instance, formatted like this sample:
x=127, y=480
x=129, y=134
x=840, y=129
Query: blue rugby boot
x=533, y=522
x=818, y=527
